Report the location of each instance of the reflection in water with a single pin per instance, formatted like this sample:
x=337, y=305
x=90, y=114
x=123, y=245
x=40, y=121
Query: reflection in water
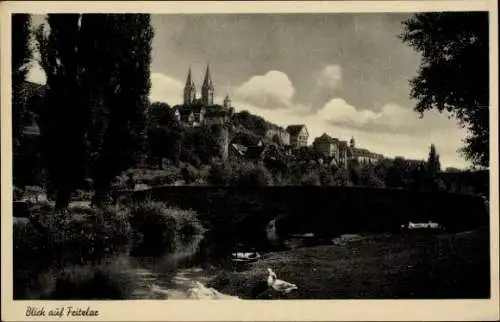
x=118, y=276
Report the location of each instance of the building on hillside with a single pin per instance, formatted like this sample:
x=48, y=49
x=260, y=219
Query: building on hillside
x=327, y=146
x=203, y=109
x=216, y=116
x=344, y=154
x=279, y=132
x=363, y=156
x=185, y=115
x=298, y=135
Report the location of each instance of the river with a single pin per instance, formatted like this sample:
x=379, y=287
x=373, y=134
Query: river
x=170, y=276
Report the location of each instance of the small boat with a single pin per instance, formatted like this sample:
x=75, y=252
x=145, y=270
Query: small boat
x=243, y=257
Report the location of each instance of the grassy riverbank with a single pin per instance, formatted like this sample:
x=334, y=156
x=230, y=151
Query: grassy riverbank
x=66, y=256
x=375, y=267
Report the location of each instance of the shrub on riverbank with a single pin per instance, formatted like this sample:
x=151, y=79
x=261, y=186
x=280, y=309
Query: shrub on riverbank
x=73, y=245
x=146, y=226
x=159, y=228
x=244, y=174
x=155, y=177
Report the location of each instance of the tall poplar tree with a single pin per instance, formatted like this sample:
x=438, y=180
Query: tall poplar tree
x=98, y=79
x=21, y=57
x=62, y=120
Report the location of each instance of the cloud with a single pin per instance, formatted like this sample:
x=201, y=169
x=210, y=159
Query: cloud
x=330, y=77
x=392, y=118
x=165, y=89
x=273, y=90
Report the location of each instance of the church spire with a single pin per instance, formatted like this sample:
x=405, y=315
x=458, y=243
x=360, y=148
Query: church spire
x=207, y=90
x=189, y=89
x=189, y=80
x=208, y=78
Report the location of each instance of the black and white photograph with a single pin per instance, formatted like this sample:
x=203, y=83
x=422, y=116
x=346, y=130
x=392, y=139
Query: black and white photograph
x=250, y=156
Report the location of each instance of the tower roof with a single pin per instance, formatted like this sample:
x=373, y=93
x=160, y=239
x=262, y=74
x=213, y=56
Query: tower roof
x=189, y=80
x=208, y=79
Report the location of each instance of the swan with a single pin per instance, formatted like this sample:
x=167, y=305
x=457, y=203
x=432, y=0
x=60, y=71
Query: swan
x=200, y=291
x=279, y=285
x=155, y=289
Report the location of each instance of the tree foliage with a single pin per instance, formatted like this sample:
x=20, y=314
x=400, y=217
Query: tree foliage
x=433, y=163
x=251, y=122
x=164, y=133
x=97, y=68
x=454, y=73
x=127, y=44
x=62, y=121
x=21, y=57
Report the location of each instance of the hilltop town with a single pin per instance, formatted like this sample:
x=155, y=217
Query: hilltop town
x=197, y=111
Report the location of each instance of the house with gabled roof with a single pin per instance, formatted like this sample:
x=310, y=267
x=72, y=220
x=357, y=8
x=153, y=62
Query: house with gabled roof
x=326, y=145
x=279, y=132
x=299, y=135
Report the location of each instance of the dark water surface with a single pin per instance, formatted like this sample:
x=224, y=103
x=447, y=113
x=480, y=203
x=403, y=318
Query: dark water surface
x=39, y=277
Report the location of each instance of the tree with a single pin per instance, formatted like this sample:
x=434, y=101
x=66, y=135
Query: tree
x=251, y=122
x=368, y=178
x=201, y=144
x=164, y=133
x=341, y=178
x=433, y=164
x=21, y=57
x=454, y=73
x=420, y=177
x=124, y=41
x=98, y=80
x=62, y=120
x=397, y=173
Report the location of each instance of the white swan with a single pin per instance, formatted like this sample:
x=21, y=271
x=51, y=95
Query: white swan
x=279, y=285
x=200, y=291
x=157, y=290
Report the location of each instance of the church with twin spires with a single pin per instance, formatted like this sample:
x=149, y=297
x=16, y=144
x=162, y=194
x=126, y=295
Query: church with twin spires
x=202, y=111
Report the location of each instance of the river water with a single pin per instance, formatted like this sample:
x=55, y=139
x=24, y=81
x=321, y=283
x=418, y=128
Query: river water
x=170, y=276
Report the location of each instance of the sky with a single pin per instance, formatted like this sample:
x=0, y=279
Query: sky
x=344, y=74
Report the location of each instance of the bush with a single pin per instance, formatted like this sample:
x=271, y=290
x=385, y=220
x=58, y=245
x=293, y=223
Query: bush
x=341, y=178
x=204, y=174
x=251, y=175
x=310, y=178
x=158, y=228
x=35, y=194
x=17, y=193
x=26, y=237
x=107, y=281
x=81, y=228
x=189, y=174
x=326, y=176
x=220, y=174
x=156, y=177
x=187, y=222
x=82, y=195
x=368, y=178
